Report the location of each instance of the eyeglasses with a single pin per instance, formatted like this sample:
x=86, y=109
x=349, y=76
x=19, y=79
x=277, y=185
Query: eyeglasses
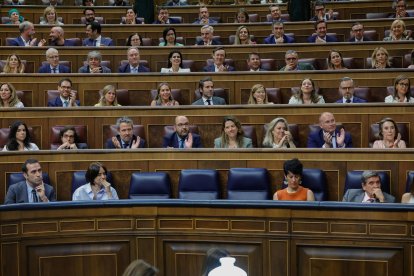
x=403, y=84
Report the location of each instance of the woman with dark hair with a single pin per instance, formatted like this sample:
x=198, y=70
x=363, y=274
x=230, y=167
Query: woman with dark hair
x=134, y=40
x=175, y=63
x=97, y=187
x=389, y=135
x=131, y=18
x=293, y=170
x=232, y=135
x=277, y=135
x=8, y=96
x=70, y=139
x=335, y=61
x=307, y=94
x=164, y=96
x=19, y=138
x=401, y=91
x=212, y=259
x=170, y=37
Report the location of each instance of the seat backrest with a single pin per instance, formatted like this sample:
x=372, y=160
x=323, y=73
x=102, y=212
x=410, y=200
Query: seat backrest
x=168, y=130
x=106, y=63
x=315, y=180
x=5, y=20
x=253, y=17
x=409, y=183
x=363, y=93
x=142, y=62
x=215, y=37
x=97, y=18
x=61, y=62
x=375, y=15
x=218, y=92
x=232, y=38
x=138, y=130
x=52, y=94
x=13, y=178
x=391, y=89
x=78, y=179
x=227, y=61
x=55, y=141
x=199, y=184
x=149, y=185
x=268, y=64
x=76, y=41
x=374, y=133
x=293, y=129
x=248, y=184
x=178, y=39
x=250, y=132
x=274, y=95
x=146, y=41
x=353, y=180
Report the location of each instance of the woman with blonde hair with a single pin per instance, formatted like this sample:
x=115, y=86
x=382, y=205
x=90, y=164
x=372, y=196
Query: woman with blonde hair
x=277, y=135
x=380, y=59
x=258, y=95
x=50, y=17
x=164, y=96
x=243, y=36
x=108, y=97
x=14, y=65
x=8, y=96
x=398, y=31
x=232, y=135
x=307, y=94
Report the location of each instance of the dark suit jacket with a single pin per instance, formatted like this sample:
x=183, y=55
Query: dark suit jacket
x=354, y=100
x=85, y=69
x=172, y=21
x=18, y=41
x=46, y=69
x=210, y=21
x=315, y=139
x=271, y=39
x=216, y=101
x=127, y=69
x=66, y=43
x=211, y=68
x=352, y=39
x=301, y=66
x=57, y=102
x=17, y=193
x=213, y=42
x=104, y=41
x=329, y=38
x=110, y=144
x=172, y=141
x=357, y=195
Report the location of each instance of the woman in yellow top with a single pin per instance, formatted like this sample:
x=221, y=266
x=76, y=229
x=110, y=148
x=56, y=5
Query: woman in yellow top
x=294, y=191
x=108, y=97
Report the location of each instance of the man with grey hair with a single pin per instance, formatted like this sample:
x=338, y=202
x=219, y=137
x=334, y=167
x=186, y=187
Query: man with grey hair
x=53, y=66
x=125, y=139
x=292, y=62
x=57, y=38
x=133, y=66
x=27, y=32
x=370, y=192
x=94, y=64
x=207, y=33
x=278, y=35
x=346, y=89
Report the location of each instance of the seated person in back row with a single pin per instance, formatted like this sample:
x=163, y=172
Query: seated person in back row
x=70, y=139
x=207, y=33
x=164, y=17
x=125, y=139
x=182, y=137
x=293, y=64
x=204, y=17
x=133, y=65
x=57, y=37
x=219, y=57
x=67, y=96
x=346, y=89
x=370, y=192
x=278, y=35
x=94, y=64
x=53, y=66
x=321, y=29
x=93, y=31
x=206, y=88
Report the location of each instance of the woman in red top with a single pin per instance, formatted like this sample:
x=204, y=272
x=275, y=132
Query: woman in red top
x=294, y=191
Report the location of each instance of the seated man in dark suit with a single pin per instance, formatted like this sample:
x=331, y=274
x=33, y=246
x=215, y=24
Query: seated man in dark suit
x=207, y=33
x=219, y=56
x=32, y=190
x=400, y=8
x=119, y=3
x=278, y=35
x=321, y=36
x=182, y=137
x=26, y=38
x=370, y=191
x=125, y=139
x=57, y=38
x=93, y=31
x=164, y=17
x=346, y=88
x=206, y=88
x=204, y=17
x=67, y=96
x=133, y=65
x=254, y=63
x=94, y=64
x=275, y=14
x=293, y=64
x=53, y=66
x=328, y=136
x=320, y=14
x=357, y=33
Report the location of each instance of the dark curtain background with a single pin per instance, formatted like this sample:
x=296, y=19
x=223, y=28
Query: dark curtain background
x=145, y=8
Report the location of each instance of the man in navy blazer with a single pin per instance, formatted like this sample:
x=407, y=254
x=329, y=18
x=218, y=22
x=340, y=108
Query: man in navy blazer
x=53, y=66
x=357, y=33
x=164, y=17
x=204, y=17
x=67, y=96
x=125, y=139
x=275, y=14
x=207, y=34
x=254, y=63
x=328, y=136
x=278, y=35
x=346, y=88
x=93, y=31
x=182, y=137
x=32, y=190
x=26, y=38
x=370, y=192
x=94, y=64
x=133, y=65
x=219, y=57
x=321, y=36
x=206, y=89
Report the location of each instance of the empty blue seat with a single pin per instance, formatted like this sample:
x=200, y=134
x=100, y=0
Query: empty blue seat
x=199, y=184
x=78, y=179
x=315, y=180
x=353, y=180
x=13, y=178
x=150, y=185
x=248, y=184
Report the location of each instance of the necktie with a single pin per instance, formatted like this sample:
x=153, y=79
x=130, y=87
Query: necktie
x=371, y=200
x=94, y=42
x=348, y=101
x=54, y=70
x=181, y=145
x=334, y=141
x=208, y=102
x=34, y=195
x=65, y=103
x=125, y=145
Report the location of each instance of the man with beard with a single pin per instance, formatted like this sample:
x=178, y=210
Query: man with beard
x=346, y=88
x=125, y=139
x=182, y=137
x=57, y=38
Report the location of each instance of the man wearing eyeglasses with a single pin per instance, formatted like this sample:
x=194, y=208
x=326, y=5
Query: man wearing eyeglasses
x=357, y=33
x=182, y=137
x=292, y=62
x=53, y=66
x=67, y=96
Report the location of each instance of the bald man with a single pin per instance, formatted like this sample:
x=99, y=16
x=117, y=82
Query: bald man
x=57, y=38
x=328, y=136
x=182, y=137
